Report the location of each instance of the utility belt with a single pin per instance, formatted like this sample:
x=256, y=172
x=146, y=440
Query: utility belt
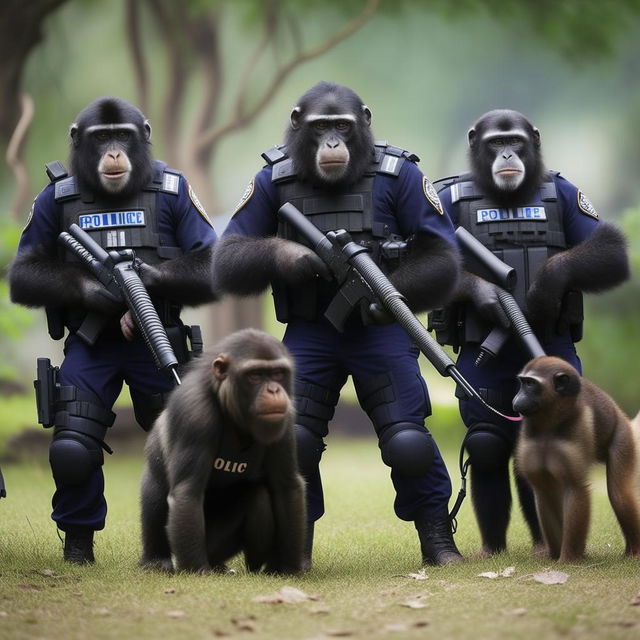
x=186, y=341
x=459, y=323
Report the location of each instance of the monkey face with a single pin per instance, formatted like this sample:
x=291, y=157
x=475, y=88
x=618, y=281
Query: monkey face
x=528, y=400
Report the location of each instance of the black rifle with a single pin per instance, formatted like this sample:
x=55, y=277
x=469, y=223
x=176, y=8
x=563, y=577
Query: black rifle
x=482, y=262
x=361, y=281
x=116, y=271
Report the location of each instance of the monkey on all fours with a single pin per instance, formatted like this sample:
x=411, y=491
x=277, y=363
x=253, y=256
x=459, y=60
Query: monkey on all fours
x=221, y=474
x=545, y=228
x=568, y=425
x=331, y=169
x=123, y=199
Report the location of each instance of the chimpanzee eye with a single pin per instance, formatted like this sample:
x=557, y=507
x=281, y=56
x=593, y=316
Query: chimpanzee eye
x=101, y=136
x=343, y=125
x=278, y=374
x=320, y=125
x=123, y=135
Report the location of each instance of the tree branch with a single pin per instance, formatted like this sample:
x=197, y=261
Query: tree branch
x=134, y=38
x=15, y=161
x=211, y=137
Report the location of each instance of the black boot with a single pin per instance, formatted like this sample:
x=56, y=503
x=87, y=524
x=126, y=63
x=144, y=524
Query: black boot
x=436, y=538
x=78, y=545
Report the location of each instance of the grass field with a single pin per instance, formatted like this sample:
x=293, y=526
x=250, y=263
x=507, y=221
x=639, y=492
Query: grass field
x=360, y=582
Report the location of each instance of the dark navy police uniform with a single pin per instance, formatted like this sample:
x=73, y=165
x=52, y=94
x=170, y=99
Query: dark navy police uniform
x=382, y=359
x=558, y=217
x=173, y=215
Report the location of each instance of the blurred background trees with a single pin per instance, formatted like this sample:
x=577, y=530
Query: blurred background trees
x=218, y=78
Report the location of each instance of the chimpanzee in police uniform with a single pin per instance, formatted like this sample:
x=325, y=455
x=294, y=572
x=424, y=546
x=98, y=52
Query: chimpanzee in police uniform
x=122, y=199
x=332, y=171
x=545, y=228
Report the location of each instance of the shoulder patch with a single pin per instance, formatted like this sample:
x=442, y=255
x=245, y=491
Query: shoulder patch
x=246, y=196
x=30, y=218
x=585, y=206
x=432, y=195
x=197, y=204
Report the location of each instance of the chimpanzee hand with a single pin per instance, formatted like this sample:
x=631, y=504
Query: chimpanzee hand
x=544, y=298
x=150, y=275
x=96, y=298
x=484, y=297
x=296, y=263
x=128, y=326
x=378, y=314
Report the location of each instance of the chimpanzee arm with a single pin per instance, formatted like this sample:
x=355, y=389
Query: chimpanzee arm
x=188, y=469
x=287, y=491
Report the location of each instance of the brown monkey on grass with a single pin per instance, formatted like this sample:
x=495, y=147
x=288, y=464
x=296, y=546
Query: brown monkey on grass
x=568, y=425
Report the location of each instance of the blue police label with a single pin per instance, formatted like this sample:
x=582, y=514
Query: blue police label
x=432, y=195
x=246, y=196
x=585, y=206
x=532, y=212
x=111, y=219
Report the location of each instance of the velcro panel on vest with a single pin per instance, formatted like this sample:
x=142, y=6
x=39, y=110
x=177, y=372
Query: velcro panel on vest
x=66, y=189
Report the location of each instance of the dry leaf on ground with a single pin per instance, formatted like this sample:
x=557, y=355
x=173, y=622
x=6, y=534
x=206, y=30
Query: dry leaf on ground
x=286, y=595
x=551, y=577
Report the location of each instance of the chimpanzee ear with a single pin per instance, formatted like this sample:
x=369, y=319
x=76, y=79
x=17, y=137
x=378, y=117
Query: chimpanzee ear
x=471, y=136
x=147, y=130
x=73, y=134
x=536, y=136
x=566, y=384
x=295, y=117
x=366, y=112
x=221, y=367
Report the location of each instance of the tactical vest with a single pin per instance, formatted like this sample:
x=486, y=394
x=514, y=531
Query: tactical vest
x=132, y=224
x=523, y=237
x=233, y=463
x=351, y=210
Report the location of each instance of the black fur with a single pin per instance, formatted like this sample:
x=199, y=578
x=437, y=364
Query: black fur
x=429, y=274
x=184, y=280
x=596, y=264
x=327, y=98
x=245, y=265
x=198, y=522
x=481, y=157
x=85, y=154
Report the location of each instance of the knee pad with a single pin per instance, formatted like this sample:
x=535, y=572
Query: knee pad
x=73, y=457
x=407, y=448
x=310, y=447
x=488, y=447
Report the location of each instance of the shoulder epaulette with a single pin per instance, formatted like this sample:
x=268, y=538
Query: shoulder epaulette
x=392, y=158
x=66, y=189
x=56, y=170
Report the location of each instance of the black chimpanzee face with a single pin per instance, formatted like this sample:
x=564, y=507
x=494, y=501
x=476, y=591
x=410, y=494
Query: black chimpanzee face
x=528, y=399
x=329, y=137
x=504, y=151
x=110, y=148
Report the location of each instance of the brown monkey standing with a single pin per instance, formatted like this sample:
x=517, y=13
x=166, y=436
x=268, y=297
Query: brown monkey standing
x=568, y=425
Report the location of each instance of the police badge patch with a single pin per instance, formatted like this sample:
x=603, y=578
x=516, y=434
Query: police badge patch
x=432, y=195
x=585, y=206
x=246, y=196
x=198, y=205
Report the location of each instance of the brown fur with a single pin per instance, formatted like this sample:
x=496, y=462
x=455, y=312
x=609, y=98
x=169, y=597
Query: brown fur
x=569, y=424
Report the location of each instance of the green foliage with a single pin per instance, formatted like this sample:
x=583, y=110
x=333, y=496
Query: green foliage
x=13, y=319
